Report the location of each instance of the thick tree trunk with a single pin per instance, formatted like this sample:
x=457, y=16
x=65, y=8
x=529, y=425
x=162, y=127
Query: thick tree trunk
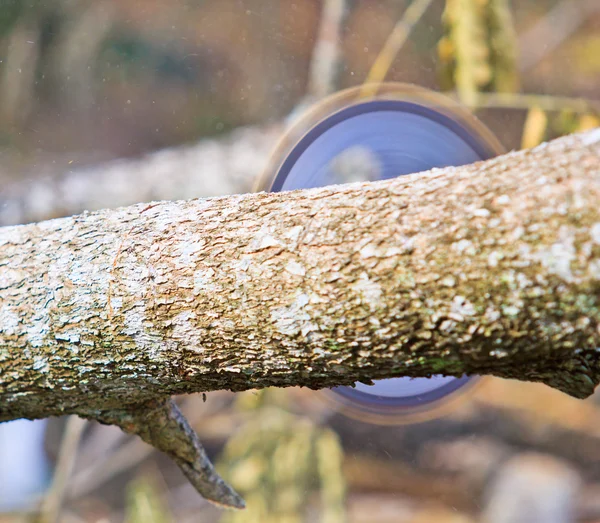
x=492, y=268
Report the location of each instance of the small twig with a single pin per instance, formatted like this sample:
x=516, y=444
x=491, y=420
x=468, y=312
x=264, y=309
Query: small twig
x=326, y=58
x=526, y=101
x=162, y=425
x=52, y=504
x=394, y=43
x=130, y=454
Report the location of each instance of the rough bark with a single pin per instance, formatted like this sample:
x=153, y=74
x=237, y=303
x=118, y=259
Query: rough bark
x=492, y=268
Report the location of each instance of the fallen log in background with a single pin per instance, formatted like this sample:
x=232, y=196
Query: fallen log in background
x=211, y=167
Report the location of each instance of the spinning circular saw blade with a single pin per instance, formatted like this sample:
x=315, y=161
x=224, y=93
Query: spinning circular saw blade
x=375, y=134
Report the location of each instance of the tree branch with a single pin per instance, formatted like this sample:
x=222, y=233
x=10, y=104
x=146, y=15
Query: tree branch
x=491, y=268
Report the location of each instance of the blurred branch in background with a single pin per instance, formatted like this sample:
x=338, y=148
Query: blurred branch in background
x=213, y=167
x=18, y=75
x=327, y=59
x=394, y=42
x=553, y=29
x=527, y=101
x=50, y=511
x=78, y=45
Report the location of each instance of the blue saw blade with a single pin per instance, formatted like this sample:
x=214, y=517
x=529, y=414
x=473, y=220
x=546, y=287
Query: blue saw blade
x=387, y=138
x=398, y=129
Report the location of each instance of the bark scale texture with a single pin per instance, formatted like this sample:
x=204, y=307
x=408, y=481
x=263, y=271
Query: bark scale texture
x=491, y=268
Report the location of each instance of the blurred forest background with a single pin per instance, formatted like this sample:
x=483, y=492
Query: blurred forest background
x=111, y=102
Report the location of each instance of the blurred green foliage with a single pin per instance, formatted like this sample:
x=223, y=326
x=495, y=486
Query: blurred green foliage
x=144, y=503
x=478, y=50
x=279, y=462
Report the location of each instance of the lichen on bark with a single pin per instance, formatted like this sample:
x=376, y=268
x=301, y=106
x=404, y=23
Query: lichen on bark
x=491, y=268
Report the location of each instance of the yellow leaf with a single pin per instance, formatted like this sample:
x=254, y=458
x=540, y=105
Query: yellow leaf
x=445, y=50
x=587, y=122
x=534, y=129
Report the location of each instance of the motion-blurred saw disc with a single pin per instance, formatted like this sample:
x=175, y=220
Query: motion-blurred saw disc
x=352, y=136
